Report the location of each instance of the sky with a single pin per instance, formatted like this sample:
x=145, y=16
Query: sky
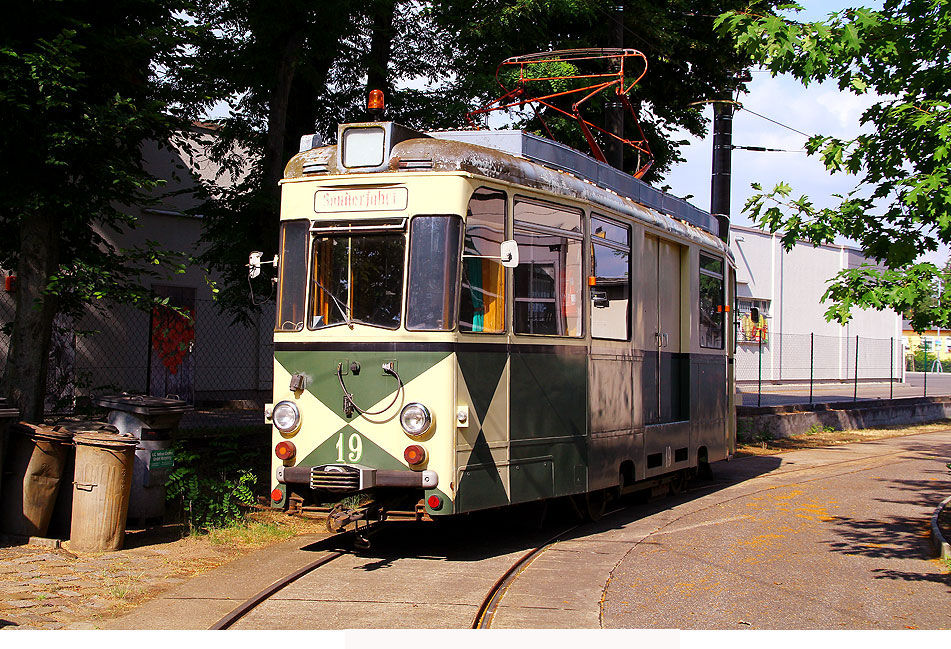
x=818, y=109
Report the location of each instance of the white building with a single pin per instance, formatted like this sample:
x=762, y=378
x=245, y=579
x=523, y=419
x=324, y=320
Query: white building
x=793, y=337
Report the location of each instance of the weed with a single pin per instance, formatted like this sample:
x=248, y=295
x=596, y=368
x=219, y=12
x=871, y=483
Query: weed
x=763, y=437
x=41, y=596
x=815, y=429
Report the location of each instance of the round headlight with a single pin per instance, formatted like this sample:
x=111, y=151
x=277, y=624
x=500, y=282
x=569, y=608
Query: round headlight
x=415, y=419
x=286, y=416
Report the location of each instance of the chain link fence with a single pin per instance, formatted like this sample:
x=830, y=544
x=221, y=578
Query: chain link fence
x=222, y=367
x=802, y=368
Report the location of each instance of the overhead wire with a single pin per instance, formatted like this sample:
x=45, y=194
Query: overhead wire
x=735, y=102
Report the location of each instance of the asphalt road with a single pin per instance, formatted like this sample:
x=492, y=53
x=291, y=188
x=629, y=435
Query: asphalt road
x=832, y=538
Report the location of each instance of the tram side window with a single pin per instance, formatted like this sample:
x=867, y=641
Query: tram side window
x=711, y=302
x=433, y=272
x=482, y=305
x=548, y=279
x=610, y=279
x=291, y=278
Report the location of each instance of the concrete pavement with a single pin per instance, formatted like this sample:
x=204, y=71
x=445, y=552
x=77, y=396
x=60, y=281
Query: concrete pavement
x=832, y=538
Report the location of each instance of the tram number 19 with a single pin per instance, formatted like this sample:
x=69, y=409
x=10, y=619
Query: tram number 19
x=354, y=446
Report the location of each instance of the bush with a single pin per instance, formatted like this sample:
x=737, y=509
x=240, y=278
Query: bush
x=214, y=480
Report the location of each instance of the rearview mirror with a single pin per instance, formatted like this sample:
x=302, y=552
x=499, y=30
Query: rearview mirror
x=509, y=253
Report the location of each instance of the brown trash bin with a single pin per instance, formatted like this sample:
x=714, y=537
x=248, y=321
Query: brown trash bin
x=7, y=416
x=63, y=509
x=101, y=486
x=36, y=459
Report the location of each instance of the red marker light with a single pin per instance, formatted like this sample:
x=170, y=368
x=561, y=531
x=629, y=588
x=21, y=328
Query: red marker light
x=434, y=502
x=277, y=495
x=285, y=450
x=414, y=455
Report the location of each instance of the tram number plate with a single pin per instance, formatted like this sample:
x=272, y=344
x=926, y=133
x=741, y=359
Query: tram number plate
x=352, y=448
x=162, y=459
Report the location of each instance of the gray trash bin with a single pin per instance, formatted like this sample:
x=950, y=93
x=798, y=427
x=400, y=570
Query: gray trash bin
x=7, y=416
x=151, y=420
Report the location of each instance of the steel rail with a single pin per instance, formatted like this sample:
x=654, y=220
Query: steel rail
x=253, y=602
x=486, y=611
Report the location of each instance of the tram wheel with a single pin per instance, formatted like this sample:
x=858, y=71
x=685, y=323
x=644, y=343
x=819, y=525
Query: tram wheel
x=679, y=483
x=595, y=503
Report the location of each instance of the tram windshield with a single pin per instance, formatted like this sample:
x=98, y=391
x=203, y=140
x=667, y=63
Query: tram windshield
x=357, y=278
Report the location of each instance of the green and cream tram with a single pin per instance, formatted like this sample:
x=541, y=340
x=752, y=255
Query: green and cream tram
x=469, y=320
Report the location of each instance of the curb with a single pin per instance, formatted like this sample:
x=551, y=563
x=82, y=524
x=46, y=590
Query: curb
x=13, y=539
x=940, y=543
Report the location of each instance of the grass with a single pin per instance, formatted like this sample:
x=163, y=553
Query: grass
x=250, y=533
x=817, y=436
x=262, y=528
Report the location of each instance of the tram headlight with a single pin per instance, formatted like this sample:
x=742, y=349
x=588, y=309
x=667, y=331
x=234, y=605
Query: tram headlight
x=415, y=419
x=286, y=416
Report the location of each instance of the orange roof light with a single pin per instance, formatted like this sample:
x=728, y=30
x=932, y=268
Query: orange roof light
x=375, y=103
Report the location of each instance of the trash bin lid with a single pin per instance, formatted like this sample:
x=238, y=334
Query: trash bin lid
x=77, y=427
x=142, y=404
x=41, y=432
x=106, y=439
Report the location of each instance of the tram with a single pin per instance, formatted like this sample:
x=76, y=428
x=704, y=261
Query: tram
x=474, y=319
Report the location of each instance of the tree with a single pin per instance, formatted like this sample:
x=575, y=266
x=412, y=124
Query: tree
x=305, y=67
x=76, y=102
x=900, y=206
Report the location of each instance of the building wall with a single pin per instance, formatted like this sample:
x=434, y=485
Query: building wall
x=800, y=341
x=112, y=347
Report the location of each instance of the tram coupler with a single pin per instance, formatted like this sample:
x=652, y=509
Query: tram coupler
x=341, y=516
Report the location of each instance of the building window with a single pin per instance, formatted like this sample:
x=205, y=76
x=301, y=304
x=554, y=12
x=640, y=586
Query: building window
x=753, y=314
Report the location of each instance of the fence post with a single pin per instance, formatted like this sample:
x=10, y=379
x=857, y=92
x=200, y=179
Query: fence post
x=926, y=373
x=891, y=368
x=148, y=356
x=759, y=379
x=812, y=356
x=855, y=393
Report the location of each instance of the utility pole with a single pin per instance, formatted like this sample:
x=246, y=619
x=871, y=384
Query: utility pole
x=614, y=109
x=722, y=156
x=722, y=165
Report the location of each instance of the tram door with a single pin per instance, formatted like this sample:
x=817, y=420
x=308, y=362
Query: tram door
x=661, y=320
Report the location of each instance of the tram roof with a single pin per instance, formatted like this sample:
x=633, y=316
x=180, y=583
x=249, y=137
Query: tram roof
x=514, y=156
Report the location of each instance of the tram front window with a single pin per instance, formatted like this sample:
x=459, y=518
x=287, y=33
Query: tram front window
x=357, y=279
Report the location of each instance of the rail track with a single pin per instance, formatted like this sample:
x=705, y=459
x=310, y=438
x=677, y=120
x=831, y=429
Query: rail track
x=486, y=609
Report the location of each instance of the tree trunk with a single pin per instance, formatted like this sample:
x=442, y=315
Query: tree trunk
x=28, y=359
x=277, y=113
x=381, y=45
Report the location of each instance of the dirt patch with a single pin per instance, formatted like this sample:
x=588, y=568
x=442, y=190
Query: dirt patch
x=47, y=588
x=817, y=438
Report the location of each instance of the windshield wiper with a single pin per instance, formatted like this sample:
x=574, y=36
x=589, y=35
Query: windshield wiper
x=340, y=308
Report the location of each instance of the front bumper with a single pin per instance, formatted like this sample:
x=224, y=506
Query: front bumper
x=347, y=478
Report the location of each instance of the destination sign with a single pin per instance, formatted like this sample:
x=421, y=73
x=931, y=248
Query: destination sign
x=371, y=199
